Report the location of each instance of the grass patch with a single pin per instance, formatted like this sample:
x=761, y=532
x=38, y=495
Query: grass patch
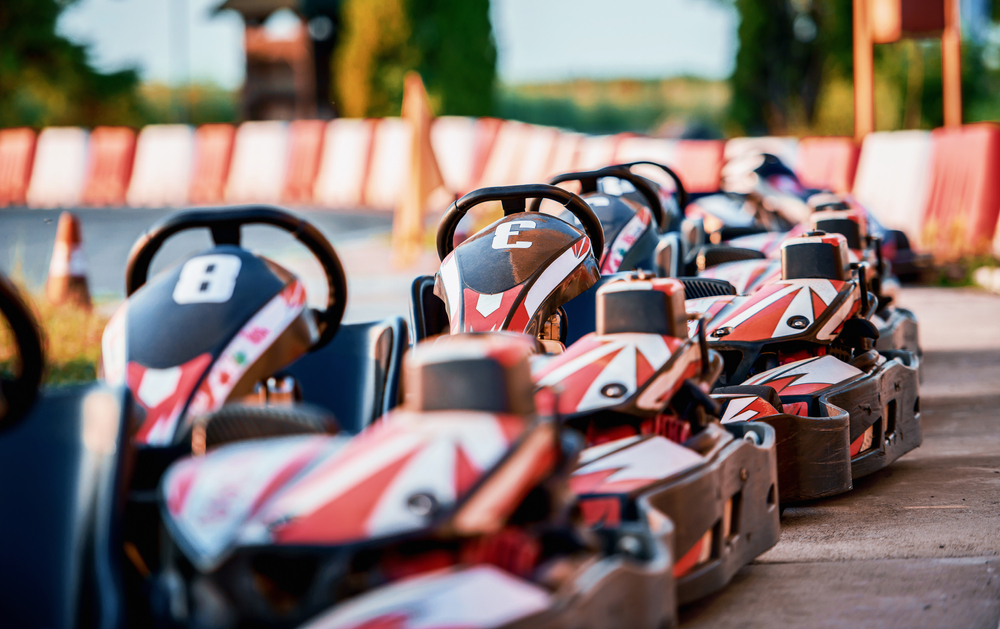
x=71, y=337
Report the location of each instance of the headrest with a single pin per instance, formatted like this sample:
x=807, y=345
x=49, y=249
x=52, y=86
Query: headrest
x=642, y=306
x=815, y=254
x=852, y=224
x=485, y=372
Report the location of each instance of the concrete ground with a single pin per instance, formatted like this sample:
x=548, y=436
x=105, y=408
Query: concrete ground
x=917, y=544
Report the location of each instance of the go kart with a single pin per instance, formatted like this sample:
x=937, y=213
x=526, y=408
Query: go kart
x=637, y=388
x=220, y=348
x=897, y=326
x=453, y=510
x=848, y=410
x=515, y=274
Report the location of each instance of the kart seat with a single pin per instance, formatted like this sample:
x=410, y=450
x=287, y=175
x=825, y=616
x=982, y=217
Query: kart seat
x=356, y=376
x=63, y=470
x=427, y=312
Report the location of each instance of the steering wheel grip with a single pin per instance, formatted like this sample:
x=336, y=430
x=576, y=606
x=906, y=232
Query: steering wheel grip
x=20, y=393
x=225, y=224
x=588, y=180
x=513, y=199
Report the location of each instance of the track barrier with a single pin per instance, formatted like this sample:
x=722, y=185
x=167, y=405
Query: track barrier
x=305, y=147
x=389, y=164
x=963, y=201
x=699, y=164
x=453, y=139
x=260, y=155
x=109, y=166
x=213, y=148
x=784, y=148
x=343, y=167
x=892, y=179
x=59, y=167
x=506, y=155
x=67, y=281
x=827, y=163
x=597, y=151
x=17, y=148
x=161, y=174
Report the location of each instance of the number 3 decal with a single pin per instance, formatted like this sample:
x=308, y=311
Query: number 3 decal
x=207, y=279
x=501, y=237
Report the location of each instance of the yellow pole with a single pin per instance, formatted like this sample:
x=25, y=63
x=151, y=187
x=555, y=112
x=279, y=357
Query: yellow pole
x=864, y=72
x=951, y=65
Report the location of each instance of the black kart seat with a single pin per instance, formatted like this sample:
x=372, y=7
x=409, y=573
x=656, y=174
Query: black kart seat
x=64, y=480
x=355, y=377
x=428, y=314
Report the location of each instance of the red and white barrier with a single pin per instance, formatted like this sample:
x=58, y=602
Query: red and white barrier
x=537, y=156
x=963, y=202
x=506, y=155
x=892, y=178
x=343, y=167
x=109, y=166
x=213, y=148
x=59, y=168
x=389, y=166
x=17, y=148
x=305, y=147
x=161, y=173
x=453, y=139
x=597, y=151
x=699, y=164
x=567, y=144
x=827, y=163
x=260, y=155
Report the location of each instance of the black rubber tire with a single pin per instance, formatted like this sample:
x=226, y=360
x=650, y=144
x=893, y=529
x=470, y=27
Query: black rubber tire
x=238, y=422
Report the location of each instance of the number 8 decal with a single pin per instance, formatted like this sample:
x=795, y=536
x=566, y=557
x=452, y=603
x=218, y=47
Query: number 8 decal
x=207, y=279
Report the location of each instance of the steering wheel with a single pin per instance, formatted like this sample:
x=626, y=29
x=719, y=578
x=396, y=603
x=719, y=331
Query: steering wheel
x=225, y=224
x=588, y=183
x=513, y=199
x=19, y=393
x=682, y=193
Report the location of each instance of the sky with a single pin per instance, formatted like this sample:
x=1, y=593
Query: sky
x=537, y=40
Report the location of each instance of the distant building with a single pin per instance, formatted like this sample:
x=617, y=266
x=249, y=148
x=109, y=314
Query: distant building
x=287, y=74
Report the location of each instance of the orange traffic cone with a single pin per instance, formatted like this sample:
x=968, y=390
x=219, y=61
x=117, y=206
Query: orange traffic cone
x=67, y=281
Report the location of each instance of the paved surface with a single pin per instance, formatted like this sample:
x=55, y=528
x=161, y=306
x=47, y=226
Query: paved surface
x=918, y=544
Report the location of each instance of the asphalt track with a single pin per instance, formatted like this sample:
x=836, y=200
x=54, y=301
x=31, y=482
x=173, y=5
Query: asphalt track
x=917, y=544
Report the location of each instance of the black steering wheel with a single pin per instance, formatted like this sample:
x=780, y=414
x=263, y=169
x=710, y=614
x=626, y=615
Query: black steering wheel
x=225, y=223
x=18, y=394
x=682, y=193
x=513, y=199
x=588, y=183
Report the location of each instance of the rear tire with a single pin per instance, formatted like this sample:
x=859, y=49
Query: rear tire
x=238, y=422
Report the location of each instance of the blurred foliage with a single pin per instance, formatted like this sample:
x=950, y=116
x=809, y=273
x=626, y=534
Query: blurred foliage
x=449, y=42
x=47, y=80
x=794, y=73
x=195, y=104
x=72, y=339
x=689, y=107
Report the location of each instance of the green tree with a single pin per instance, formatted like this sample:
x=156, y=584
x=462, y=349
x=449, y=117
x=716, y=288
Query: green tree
x=449, y=42
x=47, y=80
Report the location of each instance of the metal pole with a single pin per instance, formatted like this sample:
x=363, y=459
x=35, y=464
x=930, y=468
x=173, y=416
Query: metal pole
x=951, y=65
x=864, y=73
